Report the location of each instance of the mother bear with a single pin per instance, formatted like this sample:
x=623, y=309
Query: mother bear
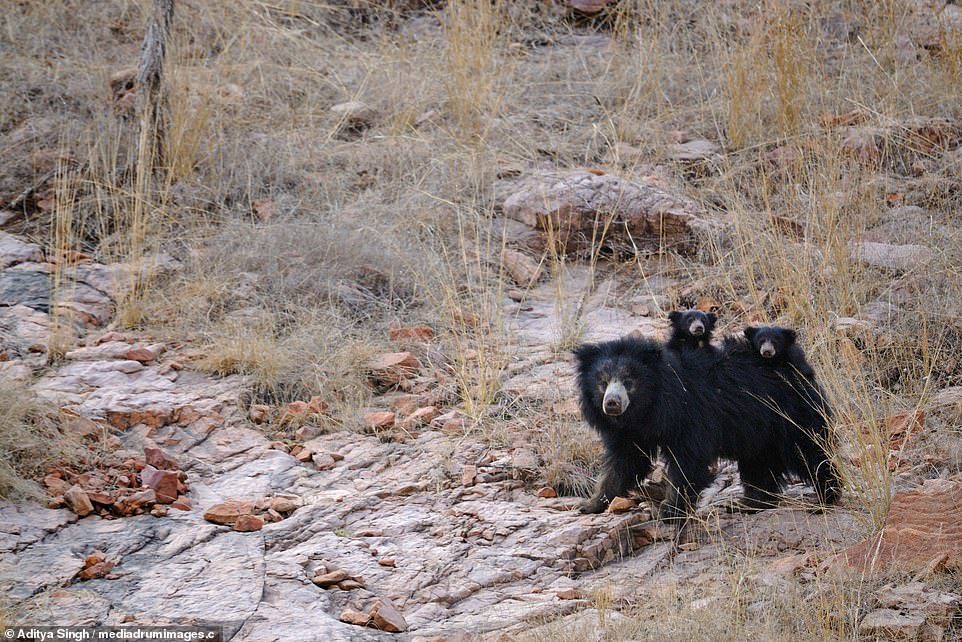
x=695, y=407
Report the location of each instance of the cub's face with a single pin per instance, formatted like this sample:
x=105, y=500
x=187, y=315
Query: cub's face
x=770, y=342
x=693, y=322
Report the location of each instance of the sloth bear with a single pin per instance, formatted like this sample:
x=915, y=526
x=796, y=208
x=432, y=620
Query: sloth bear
x=643, y=399
x=777, y=345
x=691, y=329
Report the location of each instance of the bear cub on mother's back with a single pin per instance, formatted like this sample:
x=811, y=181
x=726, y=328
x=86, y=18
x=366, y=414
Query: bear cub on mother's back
x=778, y=346
x=691, y=329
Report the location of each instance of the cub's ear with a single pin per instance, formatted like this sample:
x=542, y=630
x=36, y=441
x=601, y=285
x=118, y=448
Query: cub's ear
x=790, y=336
x=674, y=316
x=712, y=317
x=586, y=353
x=750, y=332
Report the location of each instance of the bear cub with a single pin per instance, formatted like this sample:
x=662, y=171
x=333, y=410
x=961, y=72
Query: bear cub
x=691, y=329
x=777, y=346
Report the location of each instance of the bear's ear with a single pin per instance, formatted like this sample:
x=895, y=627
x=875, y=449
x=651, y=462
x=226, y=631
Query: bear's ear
x=674, y=316
x=790, y=336
x=712, y=317
x=750, y=332
x=586, y=353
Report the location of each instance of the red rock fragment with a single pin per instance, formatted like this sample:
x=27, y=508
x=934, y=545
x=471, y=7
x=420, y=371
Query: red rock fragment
x=163, y=482
x=922, y=525
x=78, y=501
x=142, y=499
x=303, y=455
x=901, y=426
x=421, y=333
x=468, y=475
x=420, y=417
x=377, y=421
x=620, y=505
x=248, y=523
x=55, y=485
x=259, y=413
x=318, y=406
x=143, y=355
x=385, y=617
x=284, y=504
x=227, y=513
x=547, y=491
x=83, y=427
x=328, y=579
x=351, y=616
x=96, y=565
x=159, y=459
x=391, y=369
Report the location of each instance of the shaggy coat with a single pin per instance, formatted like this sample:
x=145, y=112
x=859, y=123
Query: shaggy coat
x=694, y=408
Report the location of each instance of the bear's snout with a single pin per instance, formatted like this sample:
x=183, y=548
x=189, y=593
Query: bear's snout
x=767, y=349
x=616, y=399
x=697, y=328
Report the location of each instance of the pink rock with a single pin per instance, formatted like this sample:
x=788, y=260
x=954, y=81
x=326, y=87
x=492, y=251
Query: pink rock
x=351, y=616
x=248, y=523
x=228, y=512
x=260, y=413
x=78, y=501
x=420, y=417
x=164, y=483
x=381, y=420
x=620, y=505
x=159, y=459
x=421, y=333
x=392, y=368
x=387, y=618
x=468, y=474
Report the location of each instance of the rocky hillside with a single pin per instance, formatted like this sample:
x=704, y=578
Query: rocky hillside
x=310, y=379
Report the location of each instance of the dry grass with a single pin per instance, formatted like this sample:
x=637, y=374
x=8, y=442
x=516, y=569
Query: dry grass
x=30, y=444
x=392, y=221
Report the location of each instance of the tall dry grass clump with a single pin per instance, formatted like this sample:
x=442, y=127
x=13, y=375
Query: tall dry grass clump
x=473, y=65
x=29, y=443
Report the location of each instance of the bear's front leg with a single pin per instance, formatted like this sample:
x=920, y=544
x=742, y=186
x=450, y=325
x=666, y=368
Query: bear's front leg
x=687, y=477
x=622, y=471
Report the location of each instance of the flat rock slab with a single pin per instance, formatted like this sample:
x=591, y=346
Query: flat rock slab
x=13, y=250
x=580, y=210
x=26, y=284
x=923, y=527
x=23, y=330
x=900, y=258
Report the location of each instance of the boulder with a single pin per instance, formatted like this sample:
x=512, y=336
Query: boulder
x=13, y=250
x=392, y=368
x=227, y=513
x=163, y=482
x=579, y=210
x=923, y=526
x=899, y=258
x=78, y=501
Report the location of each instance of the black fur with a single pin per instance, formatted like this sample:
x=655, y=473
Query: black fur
x=682, y=336
x=709, y=404
x=783, y=341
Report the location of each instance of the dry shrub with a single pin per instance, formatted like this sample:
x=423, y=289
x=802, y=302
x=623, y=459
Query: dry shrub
x=30, y=443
